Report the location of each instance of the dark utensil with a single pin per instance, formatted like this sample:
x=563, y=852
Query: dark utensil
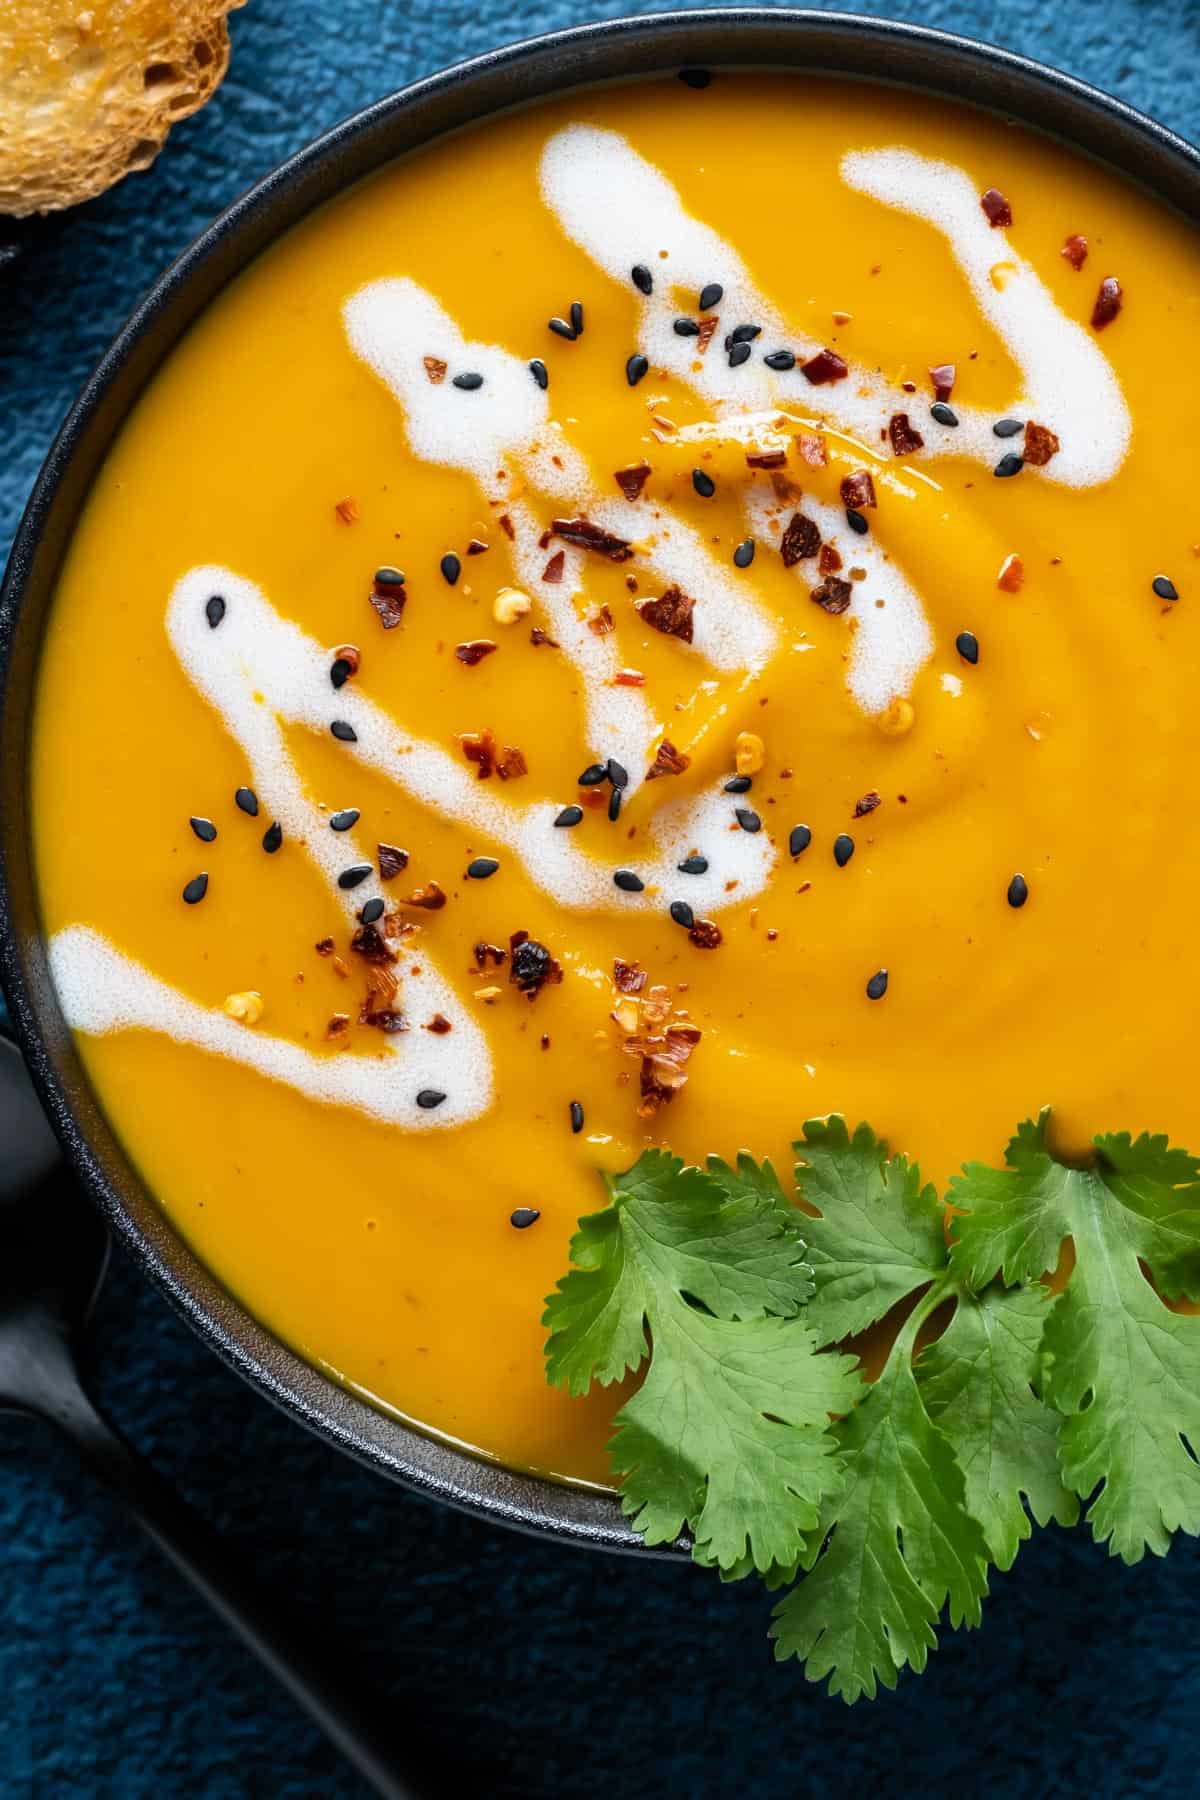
x=53, y=1253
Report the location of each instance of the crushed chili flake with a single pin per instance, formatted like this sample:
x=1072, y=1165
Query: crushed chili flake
x=477, y=547
x=1012, y=574
x=629, y=678
x=833, y=596
x=705, y=935
x=392, y=861
x=489, y=956
x=704, y=336
x=1109, y=301
x=1040, y=445
x=629, y=977
x=867, y=804
x=1075, y=251
x=766, y=459
x=325, y=947
x=435, y=368
x=784, y=489
x=368, y=943
x=429, y=897
x=812, y=449
x=588, y=536
x=829, y=561
x=507, y=527
x=341, y=969
x=996, y=208
x=531, y=965
x=553, y=570
x=601, y=623
x=338, y=1026
x=904, y=436
x=538, y=636
x=825, y=367
x=801, y=538
x=384, y=1018
x=667, y=761
x=671, y=614
x=490, y=758
x=631, y=481
x=389, y=603
x=943, y=375
x=858, y=490
x=474, y=652
x=348, y=510
x=439, y=1025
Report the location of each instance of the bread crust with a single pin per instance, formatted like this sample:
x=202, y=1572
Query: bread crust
x=89, y=90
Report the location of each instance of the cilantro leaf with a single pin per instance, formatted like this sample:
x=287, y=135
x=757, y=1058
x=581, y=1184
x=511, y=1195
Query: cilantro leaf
x=880, y=1236
x=728, y=1434
x=1122, y=1369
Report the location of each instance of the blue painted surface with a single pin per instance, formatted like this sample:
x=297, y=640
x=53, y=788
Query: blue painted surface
x=552, y=1673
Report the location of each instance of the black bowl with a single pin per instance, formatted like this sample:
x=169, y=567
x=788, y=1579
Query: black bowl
x=845, y=45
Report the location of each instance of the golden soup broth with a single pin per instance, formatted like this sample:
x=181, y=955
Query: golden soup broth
x=385, y=1254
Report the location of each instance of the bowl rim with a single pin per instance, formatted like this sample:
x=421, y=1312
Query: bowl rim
x=837, y=44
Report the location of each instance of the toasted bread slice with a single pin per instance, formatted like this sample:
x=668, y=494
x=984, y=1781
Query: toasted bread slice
x=90, y=88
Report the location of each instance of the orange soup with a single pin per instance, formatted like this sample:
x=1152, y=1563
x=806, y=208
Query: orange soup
x=665, y=615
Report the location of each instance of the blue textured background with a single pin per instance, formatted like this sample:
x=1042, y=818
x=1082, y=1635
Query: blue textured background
x=551, y=1672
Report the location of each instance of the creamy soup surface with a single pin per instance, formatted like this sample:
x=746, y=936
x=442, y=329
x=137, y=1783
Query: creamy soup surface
x=408, y=645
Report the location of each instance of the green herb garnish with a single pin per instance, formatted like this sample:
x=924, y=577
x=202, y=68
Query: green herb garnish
x=1000, y=1402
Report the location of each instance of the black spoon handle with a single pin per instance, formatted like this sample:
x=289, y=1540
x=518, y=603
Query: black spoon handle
x=198, y=1553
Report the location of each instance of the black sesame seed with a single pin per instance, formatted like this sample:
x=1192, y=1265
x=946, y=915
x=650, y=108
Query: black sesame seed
x=799, y=838
x=1009, y=465
x=468, y=382
x=704, y=484
x=523, y=1217
x=371, y=912
x=686, y=328
x=1006, y=428
x=628, y=882
x=344, y=732
x=340, y=672
x=614, y=804
x=739, y=784
x=843, y=849
x=387, y=576
x=616, y=772
x=711, y=295
x=342, y=821
x=695, y=78
x=693, y=865
x=967, y=645
x=642, y=279
x=577, y=317
x=451, y=567
x=1165, y=588
x=350, y=878
x=635, y=368
x=204, y=829
x=943, y=413
x=562, y=329
x=780, y=359
x=272, y=837
x=738, y=354
x=1018, y=891
x=196, y=889
x=214, y=610
x=482, y=867
x=593, y=775
x=877, y=986
x=748, y=820
x=743, y=556
x=576, y=1117
x=540, y=373
x=745, y=334
x=570, y=815
x=682, y=914
x=857, y=521
x=428, y=1098
x=247, y=800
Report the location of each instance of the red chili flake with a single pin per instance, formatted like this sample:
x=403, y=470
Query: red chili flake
x=341, y=969
x=391, y=860
x=325, y=947
x=1108, y=303
x=429, y=898
x=628, y=977
x=1012, y=574
x=538, y=636
x=1075, y=251
x=784, y=489
x=631, y=481
x=435, y=368
x=553, y=570
x=705, y=935
x=629, y=678
x=489, y=956
x=904, y=437
x=531, y=965
x=348, y=511
x=704, y=336
x=439, y=1025
x=477, y=547
x=801, y=538
x=829, y=561
x=910, y=387
x=671, y=614
x=833, y=596
x=368, y=944
x=996, y=209
x=507, y=527
x=943, y=376
x=767, y=459
x=867, y=804
x=338, y=1026
x=667, y=761
x=581, y=531
x=490, y=759
x=813, y=449
x=511, y=764
x=384, y=1018
x=1040, y=445
x=601, y=623
x=389, y=603
x=824, y=367
x=858, y=490
x=475, y=651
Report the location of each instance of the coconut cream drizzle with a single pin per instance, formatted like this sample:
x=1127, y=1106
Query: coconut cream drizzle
x=620, y=210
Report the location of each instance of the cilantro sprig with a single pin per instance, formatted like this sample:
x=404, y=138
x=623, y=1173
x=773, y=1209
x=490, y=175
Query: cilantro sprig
x=1007, y=1396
